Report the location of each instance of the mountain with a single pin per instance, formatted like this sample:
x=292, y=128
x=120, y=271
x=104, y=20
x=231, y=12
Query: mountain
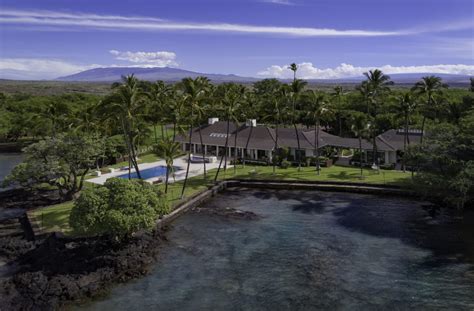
x=112, y=74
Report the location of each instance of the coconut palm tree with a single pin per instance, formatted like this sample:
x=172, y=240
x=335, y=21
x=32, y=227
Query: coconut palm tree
x=406, y=106
x=338, y=94
x=194, y=91
x=316, y=107
x=379, y=85
x=428, y=86
x=297, y=87
x=231, y=99
x=127, y=104
x=276, y=105
x=360, y=127
x=158, y=96
x=168, y=150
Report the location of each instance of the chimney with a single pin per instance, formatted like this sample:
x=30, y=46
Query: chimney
x=251, y=122
x=211, y=121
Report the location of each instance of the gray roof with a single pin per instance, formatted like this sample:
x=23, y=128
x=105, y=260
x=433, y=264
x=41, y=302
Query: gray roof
x=263, y=138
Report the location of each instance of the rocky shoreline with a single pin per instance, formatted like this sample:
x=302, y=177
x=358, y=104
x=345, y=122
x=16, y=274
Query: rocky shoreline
x=56, y=271
x=51, y=273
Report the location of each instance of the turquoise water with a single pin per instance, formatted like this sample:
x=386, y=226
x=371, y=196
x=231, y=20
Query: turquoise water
x=309, y=250
x=155, y=171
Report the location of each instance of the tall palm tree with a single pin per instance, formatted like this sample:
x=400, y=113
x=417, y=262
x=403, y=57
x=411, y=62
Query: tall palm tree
x=231, y=100
x=177, y=113
x=360, y=127
x=406, y=106
x=158, y=96
x=127, y=104
x=315, y=109
x=338, y=94
x=428, y=86
x=195, y=91
x=379, y=85
x=168, y=150
x=297, y=87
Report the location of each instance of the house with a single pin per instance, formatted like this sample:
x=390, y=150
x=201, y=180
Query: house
x=257, y=142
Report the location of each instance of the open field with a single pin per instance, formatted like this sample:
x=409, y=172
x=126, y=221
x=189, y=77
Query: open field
x=56, y=217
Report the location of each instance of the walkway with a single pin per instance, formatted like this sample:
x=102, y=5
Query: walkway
x=195, y=169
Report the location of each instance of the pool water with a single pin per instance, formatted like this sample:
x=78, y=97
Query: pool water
x=309, y=250
x=155, y=171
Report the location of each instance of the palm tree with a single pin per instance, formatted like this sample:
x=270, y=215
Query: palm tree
x=195, y=91
x=379, y=85
x=428, y=86
x=231, y=100
x=406, y=106
x=338, y=94
x=316, y=108
x=159, y=96
x=297, y=87
x=177, y=113
x=293, y=67
x=168, y=150
x=127, y=104
x=360, y=128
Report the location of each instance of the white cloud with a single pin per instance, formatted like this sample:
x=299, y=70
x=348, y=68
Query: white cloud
x=308, y=71
x=281, y=2
x=38, y=69
x=158, y=59
x=58, y=19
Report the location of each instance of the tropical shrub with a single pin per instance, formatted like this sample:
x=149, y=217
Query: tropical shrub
x=285, y=164
x=119, y=208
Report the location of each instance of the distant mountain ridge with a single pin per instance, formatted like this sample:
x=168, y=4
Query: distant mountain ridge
x=112, y=74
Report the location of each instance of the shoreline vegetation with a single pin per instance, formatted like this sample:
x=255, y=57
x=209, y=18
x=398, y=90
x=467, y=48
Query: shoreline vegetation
x=56, y=217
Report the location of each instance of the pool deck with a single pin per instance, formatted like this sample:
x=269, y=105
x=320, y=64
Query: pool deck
x=195, y=169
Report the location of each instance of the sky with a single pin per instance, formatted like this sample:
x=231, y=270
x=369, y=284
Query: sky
x=255, y=38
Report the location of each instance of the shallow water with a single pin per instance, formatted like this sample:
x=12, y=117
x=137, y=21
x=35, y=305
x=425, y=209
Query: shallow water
x=310, y=250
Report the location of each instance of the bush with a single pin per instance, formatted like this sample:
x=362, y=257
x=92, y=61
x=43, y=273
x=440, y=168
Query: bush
x=119, y=208
x=285, y=164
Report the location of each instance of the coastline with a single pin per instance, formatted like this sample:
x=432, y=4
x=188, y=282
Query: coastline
x=55, y=270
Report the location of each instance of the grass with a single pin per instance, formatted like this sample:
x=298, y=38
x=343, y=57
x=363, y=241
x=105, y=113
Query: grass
x=56, y=217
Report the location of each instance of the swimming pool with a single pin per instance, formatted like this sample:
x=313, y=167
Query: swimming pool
x=155, y=171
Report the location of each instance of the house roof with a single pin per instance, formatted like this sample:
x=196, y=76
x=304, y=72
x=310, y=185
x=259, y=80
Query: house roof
x=263, y=138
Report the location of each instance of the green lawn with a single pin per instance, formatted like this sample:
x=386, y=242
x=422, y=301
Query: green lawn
x=56, y=217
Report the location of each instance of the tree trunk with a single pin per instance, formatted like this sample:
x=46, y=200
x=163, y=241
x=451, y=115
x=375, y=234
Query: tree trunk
x=202, y=151
x=225, y=153
x=422, y=130
x=189, y=155
x=174, y=131
x=247, y=144
x=167, y=178
x=298, y=144
x=405, y=140
x=316, y=134
x=235, y=148
x=360, y=154
x=275, y=149
x=154, y=131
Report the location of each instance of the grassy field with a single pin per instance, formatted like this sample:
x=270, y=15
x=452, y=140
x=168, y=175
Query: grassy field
x=56, y=217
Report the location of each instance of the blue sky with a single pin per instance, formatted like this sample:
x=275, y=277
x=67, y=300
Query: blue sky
x=328, y=38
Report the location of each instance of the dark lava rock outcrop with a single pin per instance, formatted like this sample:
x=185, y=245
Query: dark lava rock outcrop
x=60, y=270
